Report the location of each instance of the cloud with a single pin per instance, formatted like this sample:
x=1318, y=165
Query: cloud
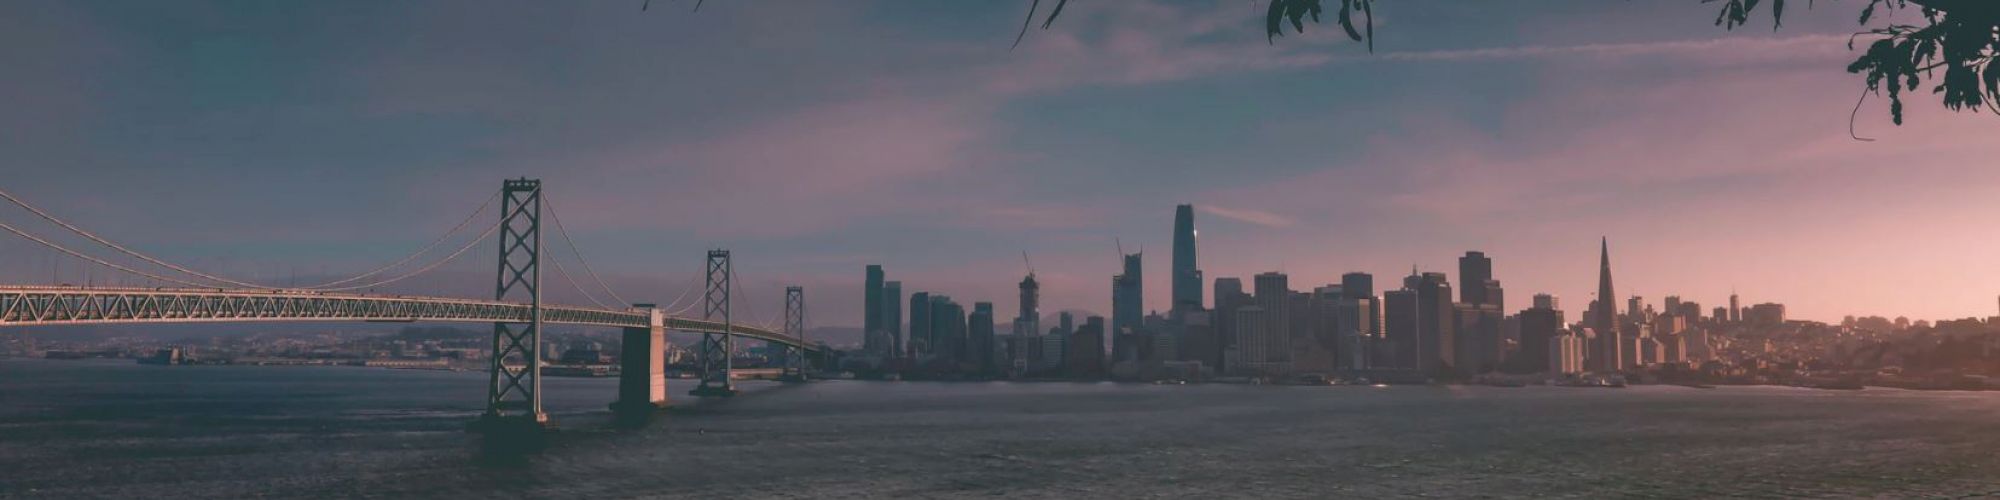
x=1258, y=217
x=1743, y=49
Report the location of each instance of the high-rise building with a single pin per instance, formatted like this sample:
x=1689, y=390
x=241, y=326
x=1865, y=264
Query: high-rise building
x=1565, y=354
x=1477, y=343
x=1085, y=356
x=1735, y=309
x=1604, y=316
x=892, y=315
x=1474, y=270
x=1029, y=321
x=1187, y=270
x=1436, y=339
x=1127, y=309
x=1229, y=297
x=948, y=328
x=873, y=335
x=980, y=341
x=1356, y=317
x=1357, y=285
x=1546, y=301
x=1539, y=326
x=1274, y=342
x=921, y=342
x=1400, y=322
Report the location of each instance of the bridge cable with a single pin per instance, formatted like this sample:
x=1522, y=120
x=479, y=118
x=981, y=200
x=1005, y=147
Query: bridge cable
x=426, y=249
x=693, y=280
x=572, y=282
x=100, y=262
x=126, y=251
x=326, y=286
x=427, y=268
x=579, y=254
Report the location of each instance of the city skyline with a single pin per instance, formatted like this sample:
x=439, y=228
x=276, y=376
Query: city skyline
x=1067, y=142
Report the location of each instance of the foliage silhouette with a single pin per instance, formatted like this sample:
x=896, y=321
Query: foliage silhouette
x=1961, y=38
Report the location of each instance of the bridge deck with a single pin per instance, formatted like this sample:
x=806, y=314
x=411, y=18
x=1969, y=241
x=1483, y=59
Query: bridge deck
x=32, y=306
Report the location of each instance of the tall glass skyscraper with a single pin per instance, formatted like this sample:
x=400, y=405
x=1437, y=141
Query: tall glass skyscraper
x=1128, y=304
x=1187, y=277
x=872, y=334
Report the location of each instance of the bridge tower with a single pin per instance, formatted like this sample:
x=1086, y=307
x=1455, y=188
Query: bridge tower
x=716, y=348
x=514, y=389
x=795, y=327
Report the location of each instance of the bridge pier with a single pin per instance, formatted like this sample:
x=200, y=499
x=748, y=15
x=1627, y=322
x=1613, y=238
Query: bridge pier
x=642, y=375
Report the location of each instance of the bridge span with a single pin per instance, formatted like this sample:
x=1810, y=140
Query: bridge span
x=69, y=305
x=516, y=311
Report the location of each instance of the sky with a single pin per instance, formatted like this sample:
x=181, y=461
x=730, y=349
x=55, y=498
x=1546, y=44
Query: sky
x=274, y=140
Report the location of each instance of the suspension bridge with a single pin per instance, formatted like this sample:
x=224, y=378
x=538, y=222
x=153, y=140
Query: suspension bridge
x=516, y=311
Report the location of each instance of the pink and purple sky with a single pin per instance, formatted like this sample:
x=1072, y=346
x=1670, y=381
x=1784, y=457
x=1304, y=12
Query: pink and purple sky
x=811, y=138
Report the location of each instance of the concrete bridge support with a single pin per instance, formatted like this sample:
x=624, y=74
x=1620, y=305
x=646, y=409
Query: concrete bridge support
x=642, y=376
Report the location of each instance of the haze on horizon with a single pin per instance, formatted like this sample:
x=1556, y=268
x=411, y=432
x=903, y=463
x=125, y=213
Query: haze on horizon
x=265, y=139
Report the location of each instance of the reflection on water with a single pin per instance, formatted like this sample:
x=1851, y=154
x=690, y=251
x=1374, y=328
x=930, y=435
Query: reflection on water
x=108, y=428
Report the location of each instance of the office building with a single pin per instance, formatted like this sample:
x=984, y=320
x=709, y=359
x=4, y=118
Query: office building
x=1127, y=309
x=1186, y=271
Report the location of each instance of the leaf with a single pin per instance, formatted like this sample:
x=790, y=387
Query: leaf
x=1274, y=20
x=1054, y=13
x=1346, y=18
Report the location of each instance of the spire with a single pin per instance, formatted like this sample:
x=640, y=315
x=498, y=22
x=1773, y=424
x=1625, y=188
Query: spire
x=1607, y=302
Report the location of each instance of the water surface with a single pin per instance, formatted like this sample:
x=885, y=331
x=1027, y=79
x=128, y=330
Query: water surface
x=103, y=428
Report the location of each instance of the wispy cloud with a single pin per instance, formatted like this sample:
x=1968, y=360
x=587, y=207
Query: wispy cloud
x=1739, y=48
x=1258, y=217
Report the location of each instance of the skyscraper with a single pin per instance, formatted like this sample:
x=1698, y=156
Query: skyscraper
x=1127, y=309
x=873, y=336
x=979, y=342
x=1436, y=319
x=1604, y=315
x=1229, y=297
x=1735, y=309
x=1400, y=322
x=1474, y=270
x=892, y=316
x=1187, y=276
x=1268, y=349
x=920, y=342
x=948, y=328
x=1540, y=328
x=1358, y=285
x=1029, y=322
